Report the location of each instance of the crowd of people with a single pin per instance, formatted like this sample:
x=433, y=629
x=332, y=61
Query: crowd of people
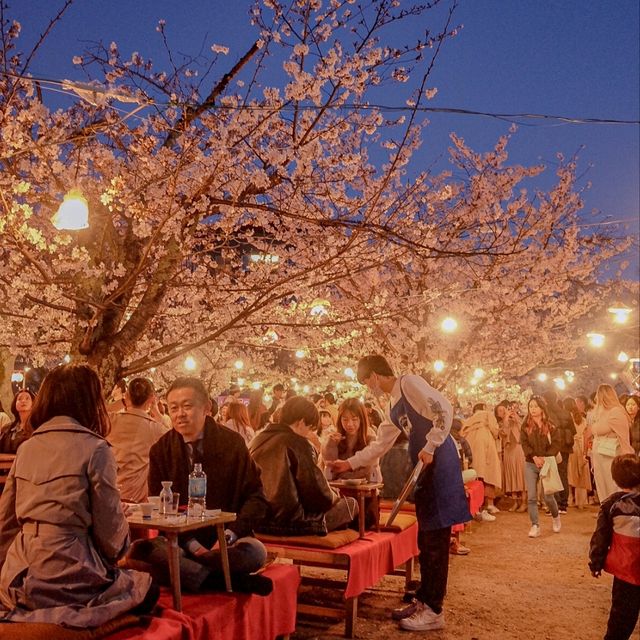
x=63, y=518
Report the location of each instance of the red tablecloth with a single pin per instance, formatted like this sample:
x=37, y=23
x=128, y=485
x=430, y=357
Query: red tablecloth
x=476, y=495
x=226, y=616
x=374, y=556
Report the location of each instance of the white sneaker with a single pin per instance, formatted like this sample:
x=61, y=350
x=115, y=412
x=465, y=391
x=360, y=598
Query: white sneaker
x=486, y=516
x=534, y=532
x=556, y=524
x=493, y=509
x=424, y=619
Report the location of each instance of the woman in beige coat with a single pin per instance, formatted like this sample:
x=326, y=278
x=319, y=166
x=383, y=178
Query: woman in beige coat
x=481, y=431
x=610, y=439
x=62, y=529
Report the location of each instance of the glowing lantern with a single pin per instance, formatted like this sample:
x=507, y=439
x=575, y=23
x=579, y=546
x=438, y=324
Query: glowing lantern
x=449, y=325
x=73, y=213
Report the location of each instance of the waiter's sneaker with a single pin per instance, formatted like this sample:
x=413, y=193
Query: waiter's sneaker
x=556, y=524
x=534, y=532
x=424, y=619
x=404, y=612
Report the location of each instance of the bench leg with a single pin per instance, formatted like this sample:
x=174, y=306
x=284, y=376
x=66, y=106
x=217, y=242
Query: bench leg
x=351, y=606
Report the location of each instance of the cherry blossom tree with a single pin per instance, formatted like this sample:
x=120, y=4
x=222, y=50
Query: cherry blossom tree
x=266, y=206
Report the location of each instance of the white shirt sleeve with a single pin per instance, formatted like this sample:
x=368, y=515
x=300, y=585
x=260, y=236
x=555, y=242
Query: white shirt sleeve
x=386, y=435
x=431, y=404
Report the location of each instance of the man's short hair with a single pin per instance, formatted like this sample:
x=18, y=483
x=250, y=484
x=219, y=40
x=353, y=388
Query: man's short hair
x=140, y=390
x=329, y=397
x=373, y=364
x=187, y=382
x=299, y=408
x=278, y=387
x=625, y=471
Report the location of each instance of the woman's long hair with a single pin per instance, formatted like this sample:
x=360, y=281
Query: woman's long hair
x=569, y=404
x=237, y=411
x=72, y=390
x=353, y=405
x=14, y=402
x=530, y=425
x=256, y=409
x=606, y=397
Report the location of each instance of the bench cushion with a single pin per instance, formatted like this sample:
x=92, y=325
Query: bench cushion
x=401, y=522
x=407, y=507
x=332, y=540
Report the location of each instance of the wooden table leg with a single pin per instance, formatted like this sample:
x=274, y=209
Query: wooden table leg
x=375, y=505
x=361, y=513
x=174, y=569
x=351, y=606
x=224, y=557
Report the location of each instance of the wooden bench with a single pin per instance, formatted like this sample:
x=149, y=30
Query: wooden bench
x=366, y=561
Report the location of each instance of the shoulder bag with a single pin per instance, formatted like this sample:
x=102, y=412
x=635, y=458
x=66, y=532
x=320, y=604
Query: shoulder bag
x=607, y=447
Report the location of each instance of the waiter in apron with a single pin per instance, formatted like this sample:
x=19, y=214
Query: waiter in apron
x=426, y=415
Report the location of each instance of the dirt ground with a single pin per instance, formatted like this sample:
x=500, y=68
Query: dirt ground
x=510, y=587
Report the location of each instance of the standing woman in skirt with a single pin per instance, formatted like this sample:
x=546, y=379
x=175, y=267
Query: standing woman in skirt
x=578, y=471
x=611, y=438
x=512, y=457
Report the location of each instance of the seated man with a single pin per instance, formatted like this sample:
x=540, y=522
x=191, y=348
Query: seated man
x=133, y=432
x=233, y=484
x=301, y=500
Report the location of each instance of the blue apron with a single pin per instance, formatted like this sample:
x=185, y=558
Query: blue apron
x=440, y=498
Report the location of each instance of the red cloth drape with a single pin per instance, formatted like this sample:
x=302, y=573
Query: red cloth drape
x=226, y=616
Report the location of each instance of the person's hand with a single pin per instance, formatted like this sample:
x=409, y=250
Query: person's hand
x=538, y=461
x=128, y=508
x=596, y=574
x=230, y=537
x=427, y=458
x=339, y=466
x=336, y=437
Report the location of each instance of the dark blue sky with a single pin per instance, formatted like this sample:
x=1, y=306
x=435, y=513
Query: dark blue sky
x=571, y=57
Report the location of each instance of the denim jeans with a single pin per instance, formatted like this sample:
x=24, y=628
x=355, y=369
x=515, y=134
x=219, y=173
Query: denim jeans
x=531, y=475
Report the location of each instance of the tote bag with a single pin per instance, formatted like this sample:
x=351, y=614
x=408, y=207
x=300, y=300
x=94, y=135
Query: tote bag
x=551, y=482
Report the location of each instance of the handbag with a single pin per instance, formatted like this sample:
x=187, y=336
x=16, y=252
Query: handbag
x=607, y=447
x=551, y=482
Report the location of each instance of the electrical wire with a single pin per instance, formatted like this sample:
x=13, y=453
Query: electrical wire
x=68, y=87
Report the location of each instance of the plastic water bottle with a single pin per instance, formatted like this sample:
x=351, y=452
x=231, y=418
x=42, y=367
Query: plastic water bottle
x=197, y=492
x=166, y=498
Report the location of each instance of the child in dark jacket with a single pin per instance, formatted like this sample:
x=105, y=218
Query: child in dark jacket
x=615, y=547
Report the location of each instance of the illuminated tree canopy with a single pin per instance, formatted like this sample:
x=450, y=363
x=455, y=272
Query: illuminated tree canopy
x=258, y=204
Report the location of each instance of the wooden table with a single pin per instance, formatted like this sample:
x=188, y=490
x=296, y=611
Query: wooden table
x=171, y=527
x=360, y=492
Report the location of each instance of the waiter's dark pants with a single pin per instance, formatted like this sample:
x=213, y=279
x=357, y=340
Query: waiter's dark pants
x=434, y=566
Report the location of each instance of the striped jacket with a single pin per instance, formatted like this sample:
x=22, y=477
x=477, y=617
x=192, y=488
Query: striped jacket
x=615, y=544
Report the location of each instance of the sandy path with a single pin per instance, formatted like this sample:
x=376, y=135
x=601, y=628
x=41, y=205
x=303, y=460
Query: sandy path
x=510, y=587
